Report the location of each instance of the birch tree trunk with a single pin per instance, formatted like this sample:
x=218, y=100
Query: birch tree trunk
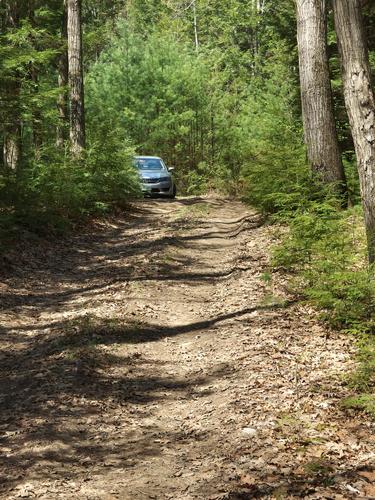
x=62, y=102
x=196, y=36
x=316, y=93
x=75, y=65
x=360, y=103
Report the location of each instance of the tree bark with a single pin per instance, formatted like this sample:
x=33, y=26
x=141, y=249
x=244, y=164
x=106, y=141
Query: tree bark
x=36, y=111
x=316, y=93
x=75, y=66
x=360, y=103
x=36, y=115
x=12, y=121
x=62, y=102
x=195, y=21
x=12, y=143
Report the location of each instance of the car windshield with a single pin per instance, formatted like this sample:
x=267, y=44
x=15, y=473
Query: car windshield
x=148, y=164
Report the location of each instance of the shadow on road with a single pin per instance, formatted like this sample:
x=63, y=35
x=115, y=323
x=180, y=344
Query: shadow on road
x=105, y=258
x=69, y=376
x=58, y=384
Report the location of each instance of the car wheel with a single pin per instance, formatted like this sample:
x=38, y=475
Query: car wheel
x=173, y=195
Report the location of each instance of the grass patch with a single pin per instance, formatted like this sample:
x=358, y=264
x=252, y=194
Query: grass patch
x=90, y=342
x=322, y=470
x=318, y=467
x=362, y=402
x=90, y=356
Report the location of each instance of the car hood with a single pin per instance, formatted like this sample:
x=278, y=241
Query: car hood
x=153, y=174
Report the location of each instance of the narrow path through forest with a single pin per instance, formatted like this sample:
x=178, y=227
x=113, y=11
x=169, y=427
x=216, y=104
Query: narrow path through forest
x=151, y=357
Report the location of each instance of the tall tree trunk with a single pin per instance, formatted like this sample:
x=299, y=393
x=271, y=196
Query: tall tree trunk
x=34, y=78
x=12, y=122
x=195, y=21
x=12, y=142
x=255, y=42
x=36, y=115
x=75, y=65
x=360, y=103
x=62, y=102
x=316, y=93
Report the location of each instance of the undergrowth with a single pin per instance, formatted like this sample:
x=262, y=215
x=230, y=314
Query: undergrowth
x=54, y=190
x=324, y=251
x=362, y=381
x=324, y=248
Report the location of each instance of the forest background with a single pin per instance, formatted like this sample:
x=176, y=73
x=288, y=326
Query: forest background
x=213, y=87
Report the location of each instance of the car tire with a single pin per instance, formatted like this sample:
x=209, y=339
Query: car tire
x=173, y=195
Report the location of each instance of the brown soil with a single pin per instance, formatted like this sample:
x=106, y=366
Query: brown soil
x=151, y=357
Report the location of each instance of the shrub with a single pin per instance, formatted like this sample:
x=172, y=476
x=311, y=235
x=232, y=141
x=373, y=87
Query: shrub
x=55, y=189
x=274, y=170
x=326, y=247
x=362, y=381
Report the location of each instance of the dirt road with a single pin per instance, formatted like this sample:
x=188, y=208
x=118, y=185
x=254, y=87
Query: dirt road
x=152, y=356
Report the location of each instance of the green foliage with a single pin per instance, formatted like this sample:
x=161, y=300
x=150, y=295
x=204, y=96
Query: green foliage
x=364, y=378
x=362, y=381
x=325, y=249
x=156, y=92
x=199, y=113
x=363, y=402
x=49, y=188
x=322, y=248
x=55, y=189
x=274, y=170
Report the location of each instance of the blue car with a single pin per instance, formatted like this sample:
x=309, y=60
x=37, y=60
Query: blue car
x=156, y=178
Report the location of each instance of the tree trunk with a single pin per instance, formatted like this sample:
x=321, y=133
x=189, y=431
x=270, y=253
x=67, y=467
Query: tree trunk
x=37, y=117
x=12, y=143
x=36, y=111
x=360, y=103
x=195, y=21
x=11, y=96
x=62, y=102
x=75, y=65
x=316, y=93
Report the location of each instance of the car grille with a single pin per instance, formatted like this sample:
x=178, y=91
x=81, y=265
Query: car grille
x=155, y=181
x=150, y=181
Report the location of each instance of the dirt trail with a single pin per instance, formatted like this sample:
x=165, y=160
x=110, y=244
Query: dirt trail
x=153, y=358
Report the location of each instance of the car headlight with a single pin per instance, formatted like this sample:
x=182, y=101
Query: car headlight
x=164, y=179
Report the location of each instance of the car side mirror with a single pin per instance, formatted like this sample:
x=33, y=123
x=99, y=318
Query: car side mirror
x=170, y=169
